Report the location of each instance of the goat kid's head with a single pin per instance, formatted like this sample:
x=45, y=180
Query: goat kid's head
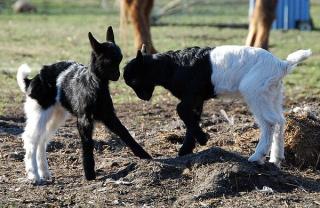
x=106, y=57
x=137, y=75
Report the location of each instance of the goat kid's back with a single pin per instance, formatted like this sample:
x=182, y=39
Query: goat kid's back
x=233, y=65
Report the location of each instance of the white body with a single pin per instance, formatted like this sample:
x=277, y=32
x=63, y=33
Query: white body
x=256, y=75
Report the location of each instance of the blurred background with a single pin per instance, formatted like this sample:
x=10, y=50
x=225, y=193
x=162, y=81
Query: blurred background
x=52, y=30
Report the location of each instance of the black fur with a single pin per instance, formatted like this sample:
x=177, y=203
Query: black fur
x=84, y=92
x=186, y=74
x=43, y=86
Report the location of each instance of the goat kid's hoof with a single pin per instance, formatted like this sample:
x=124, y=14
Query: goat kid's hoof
x=276, y=161
x=202, y=138
x=257, y=158
x=33, y=179
x=183, y=152
x=44, y=181
x=91, y=176
x=145, y=155
x=45, y=176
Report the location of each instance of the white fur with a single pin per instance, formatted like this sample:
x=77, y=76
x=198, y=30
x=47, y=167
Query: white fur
x=256, y=75
x=59, y=82
x=40, y=126
x=23, y=72
x=296, y=57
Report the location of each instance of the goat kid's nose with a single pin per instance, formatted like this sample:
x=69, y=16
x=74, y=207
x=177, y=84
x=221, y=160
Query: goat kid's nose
x=114, y=76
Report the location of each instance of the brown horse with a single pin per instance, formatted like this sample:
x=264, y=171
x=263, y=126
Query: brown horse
x=260, y=23
x=139, y=13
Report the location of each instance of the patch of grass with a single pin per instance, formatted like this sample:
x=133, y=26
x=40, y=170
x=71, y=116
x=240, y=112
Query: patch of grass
x=10, y=96
x=59, y=32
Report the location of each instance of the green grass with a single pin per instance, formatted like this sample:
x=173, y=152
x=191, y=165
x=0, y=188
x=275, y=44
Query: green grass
x=59, y=32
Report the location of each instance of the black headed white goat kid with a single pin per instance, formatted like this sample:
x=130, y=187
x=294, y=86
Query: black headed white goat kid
x=66, y=88
x=197, y=74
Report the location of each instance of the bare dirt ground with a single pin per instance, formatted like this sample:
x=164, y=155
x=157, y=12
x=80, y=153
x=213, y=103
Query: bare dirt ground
x=216, y=175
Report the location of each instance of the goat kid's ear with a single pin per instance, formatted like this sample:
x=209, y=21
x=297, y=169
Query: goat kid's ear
x=95, y=45
x=110, y=35
x=143, y=49
x=139, y=56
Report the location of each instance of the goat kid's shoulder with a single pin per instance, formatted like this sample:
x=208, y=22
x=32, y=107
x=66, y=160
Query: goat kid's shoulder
x=49, y=73
x=192, y=72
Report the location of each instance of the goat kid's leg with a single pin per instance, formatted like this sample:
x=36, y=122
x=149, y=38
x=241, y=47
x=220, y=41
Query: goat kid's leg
x=58, y=117
x=189, y=143
x=42, y=160
x=193, y=122
x=201, y=137
x=114, y=124
x=264, y=143
x=31, y=140
x=266, y=118
x=191, y=119
x=85, y=128
x=261, y=101
x=277, y=148
x=33, y=136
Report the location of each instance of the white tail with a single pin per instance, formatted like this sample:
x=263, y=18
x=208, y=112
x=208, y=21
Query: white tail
x=23, y=72
x=296, y=57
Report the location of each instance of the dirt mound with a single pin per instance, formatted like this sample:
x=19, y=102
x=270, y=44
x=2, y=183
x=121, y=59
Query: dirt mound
x=211, y=173
x=302, y=138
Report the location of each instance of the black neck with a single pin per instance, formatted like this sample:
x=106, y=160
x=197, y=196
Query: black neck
x=175, y=72
x=162, y=70
x=96, y=73
x=95, y=70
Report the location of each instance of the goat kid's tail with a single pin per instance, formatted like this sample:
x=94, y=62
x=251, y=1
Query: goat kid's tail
x=22, y=74
x=296, y=57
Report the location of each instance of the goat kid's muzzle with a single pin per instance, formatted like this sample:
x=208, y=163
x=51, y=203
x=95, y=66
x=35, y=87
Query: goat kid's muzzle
x=114, y=76
x=144, y=95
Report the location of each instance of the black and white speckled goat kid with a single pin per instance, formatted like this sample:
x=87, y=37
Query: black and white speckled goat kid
x=66, y=88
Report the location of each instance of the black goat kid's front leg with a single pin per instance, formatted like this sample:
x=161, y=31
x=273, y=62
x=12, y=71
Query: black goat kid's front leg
x=114, y=124
x=85, y=128
x=201, y=137
x=190, y=113
x=189, y=143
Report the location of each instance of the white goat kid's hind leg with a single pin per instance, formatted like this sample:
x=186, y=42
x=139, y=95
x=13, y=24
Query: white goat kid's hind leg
x=31, y=138
x=57, y=118
x=262, y=110
x=42, y=161
x=277, y=148
x=271, y=117
x=264, y=143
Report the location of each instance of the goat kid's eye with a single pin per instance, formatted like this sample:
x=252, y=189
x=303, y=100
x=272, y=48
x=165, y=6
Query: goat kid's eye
x=134, y=82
